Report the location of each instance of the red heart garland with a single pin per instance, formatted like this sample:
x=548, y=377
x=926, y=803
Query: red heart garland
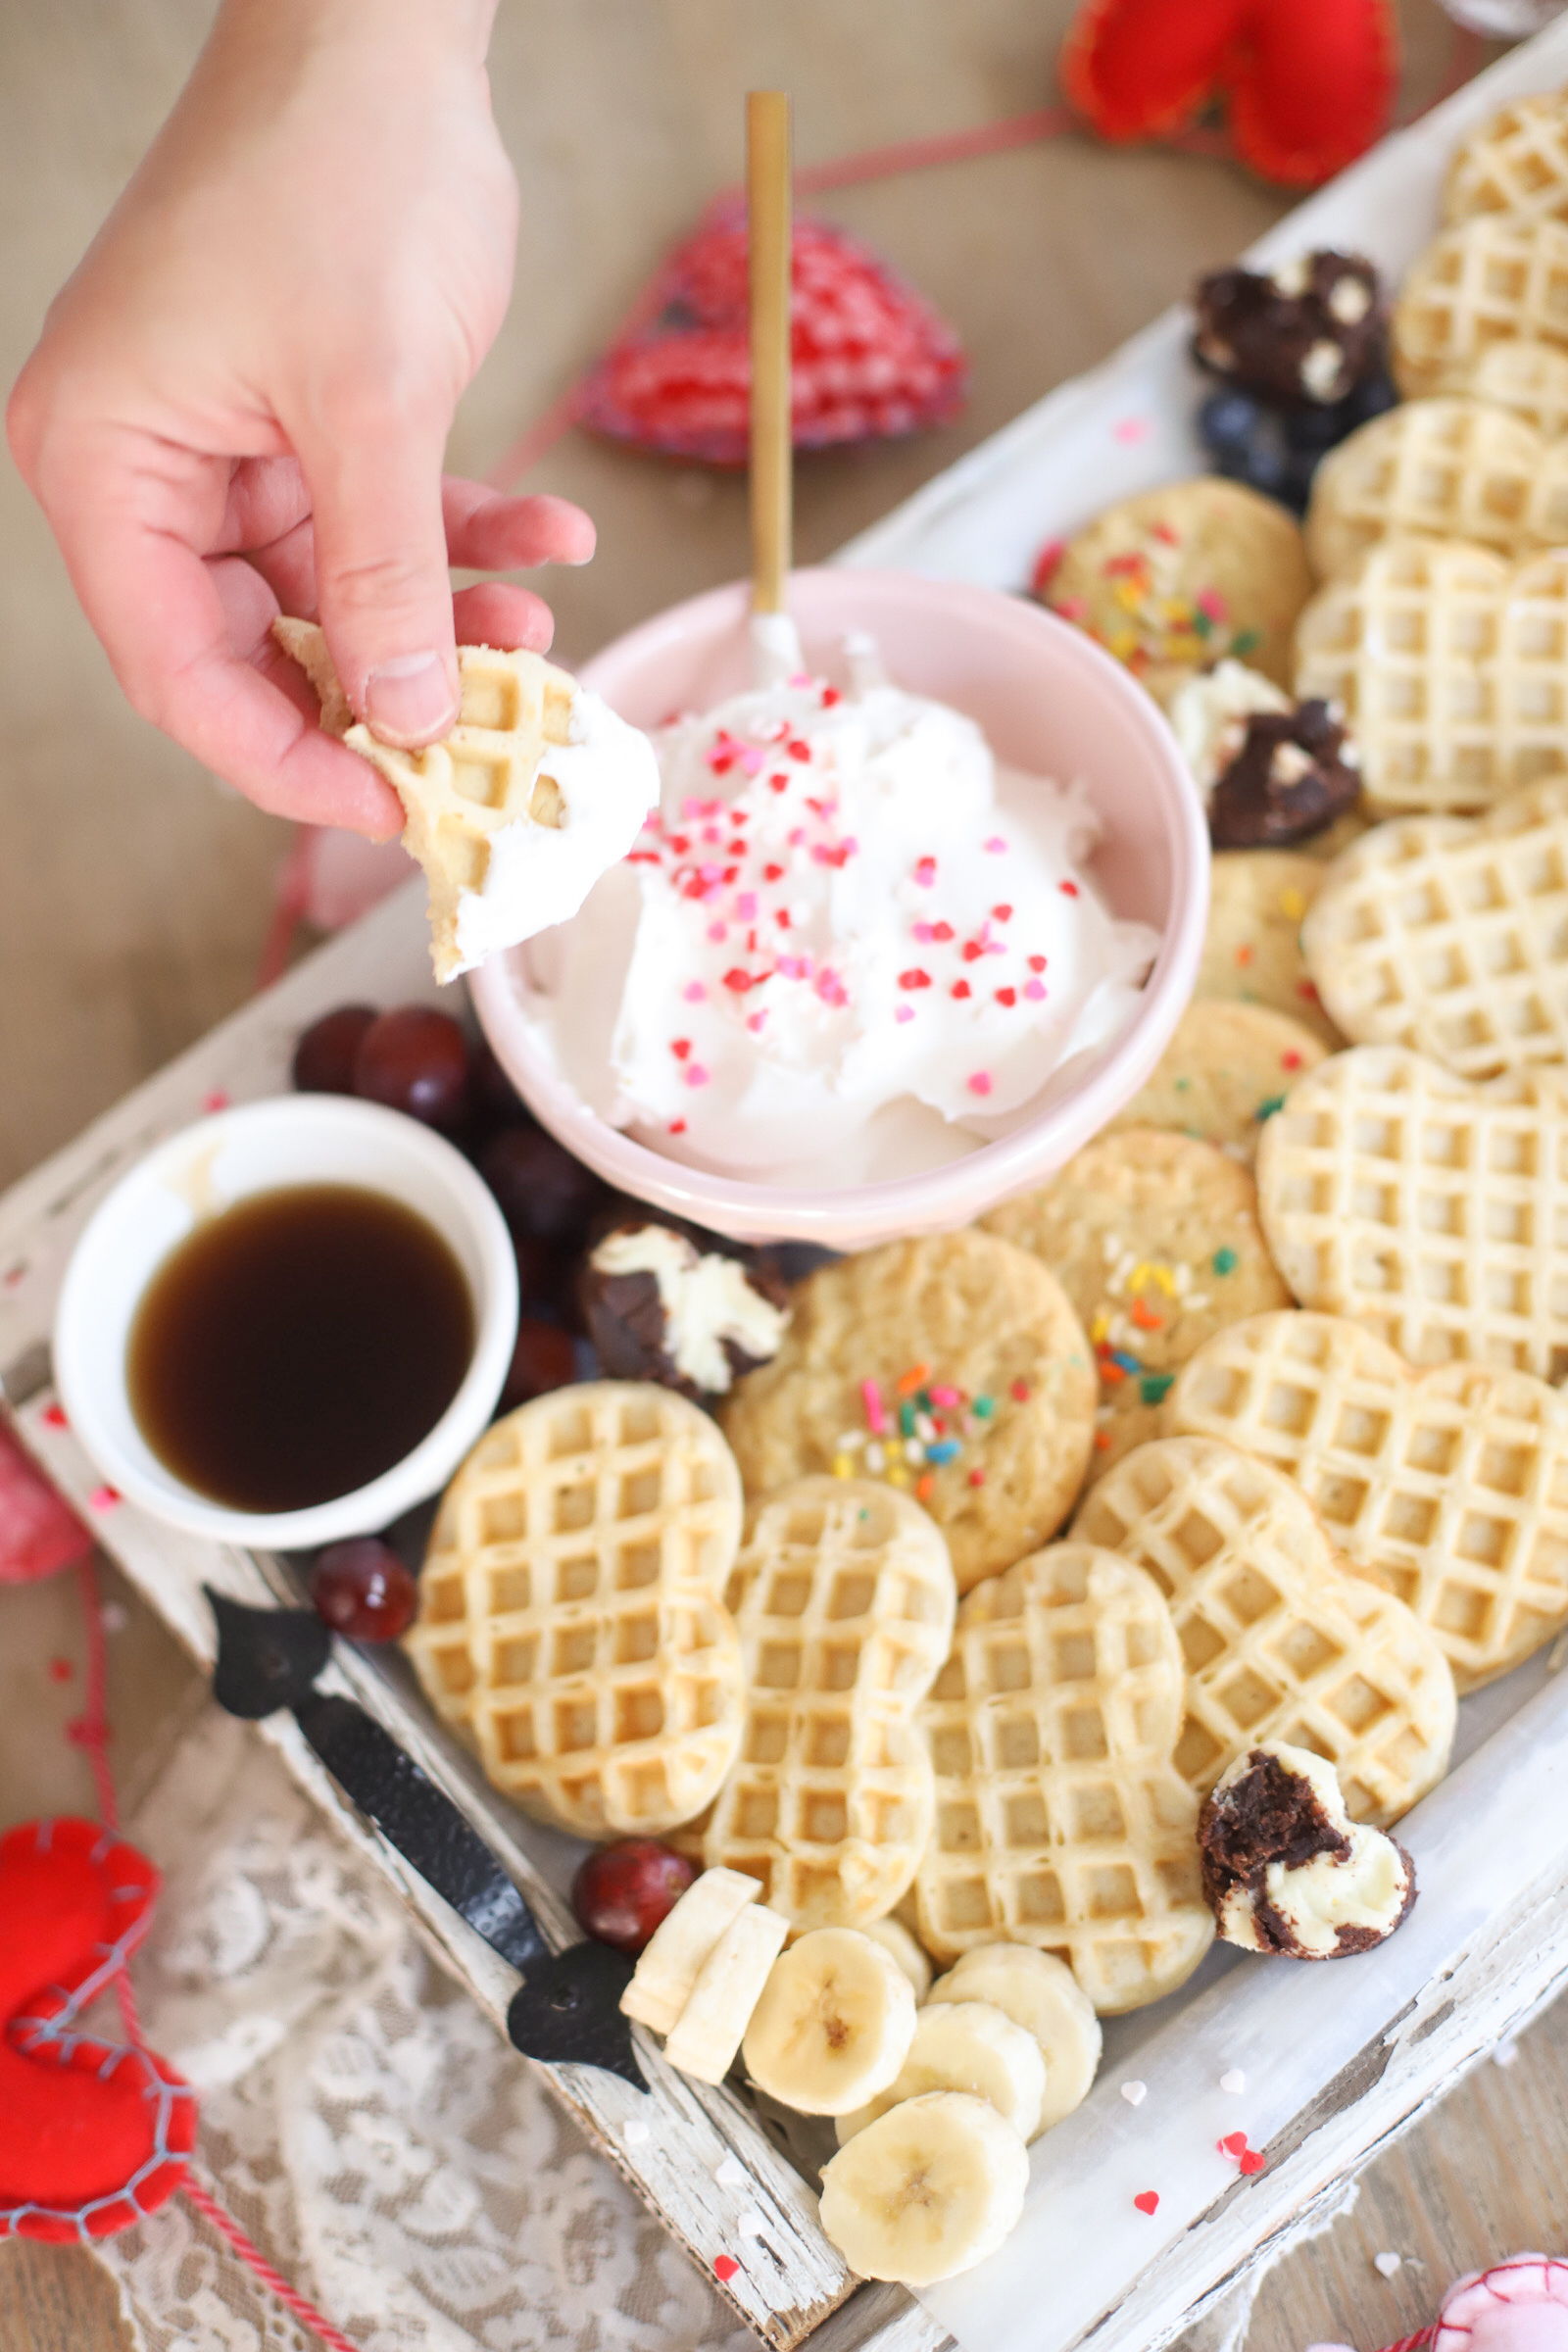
x=1311, y=83
x=96, y=2133
x=870, y=357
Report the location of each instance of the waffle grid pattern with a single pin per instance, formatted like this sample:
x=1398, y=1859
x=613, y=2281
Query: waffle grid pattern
x=1516, y=164
x=1434, y=1212
x=569, y=1617
x=843, y=1597
x=1279, y=1642
x=1451, y=668
x=1447, y=1488
x=1450, y=937
x=1529, y=379
x=1489, y=279
x=1059, y=1820
x=1439, y=468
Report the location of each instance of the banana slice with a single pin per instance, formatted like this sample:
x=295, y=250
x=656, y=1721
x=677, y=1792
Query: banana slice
x=1041, y=1994
x=834, y=2024
x=907, y=1949
x=929, y=2190
x=705, y=2037
x=662, y=1984
x=971, y=2046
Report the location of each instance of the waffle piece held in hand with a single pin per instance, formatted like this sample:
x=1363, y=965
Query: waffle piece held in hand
x=1430, y=468
x=502, y=776
x=1433, y=1211
x=1060, y=1821
x=569, y=1613
x=842, y=1597
x=1491, y=279
x=952, y=1366
x=1450, y=668
x=1279, y=1642
x=1449, y=1488
x=1451, y=936
x=1515, y=164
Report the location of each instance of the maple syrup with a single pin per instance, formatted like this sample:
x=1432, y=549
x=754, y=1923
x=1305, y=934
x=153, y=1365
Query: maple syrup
x=298, y=1344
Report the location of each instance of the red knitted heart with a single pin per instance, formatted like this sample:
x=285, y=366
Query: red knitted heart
x=1311, y=85
x=96, y=2134
x=870, y=356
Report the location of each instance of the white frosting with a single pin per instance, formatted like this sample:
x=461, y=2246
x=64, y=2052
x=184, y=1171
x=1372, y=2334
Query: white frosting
x=539, y=875
x=707, y=1300
x=847, y=947
x=1209, y=715
x=1366, y=1887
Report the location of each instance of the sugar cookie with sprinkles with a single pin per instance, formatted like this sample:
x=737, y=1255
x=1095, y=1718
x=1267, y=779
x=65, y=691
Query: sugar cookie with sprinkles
x=954, y=1367
x=1258, y=902
x=1156, y=1240
x=1224, y=1074
x=1177, y=578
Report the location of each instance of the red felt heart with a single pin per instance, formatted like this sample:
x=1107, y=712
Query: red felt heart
x=870, y=359
x=1311, y=86
x=96, y=2133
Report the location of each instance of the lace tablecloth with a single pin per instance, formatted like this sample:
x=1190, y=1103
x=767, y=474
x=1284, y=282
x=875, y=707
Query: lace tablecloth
x=360, y=2119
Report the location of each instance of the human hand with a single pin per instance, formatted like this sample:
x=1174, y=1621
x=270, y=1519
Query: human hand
x=240, y=401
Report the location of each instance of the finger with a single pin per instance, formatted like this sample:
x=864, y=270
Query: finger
x=381, y=577
x=489, y=533
x=496, y=613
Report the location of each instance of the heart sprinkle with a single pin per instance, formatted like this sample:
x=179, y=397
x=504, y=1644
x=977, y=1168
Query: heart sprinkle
x=725, y=2267
x=1135, y=2094
x=634, y=2134
x=1387, y=2264
x=1147, y=2200
x=732, y=2174
x=1235, y=2081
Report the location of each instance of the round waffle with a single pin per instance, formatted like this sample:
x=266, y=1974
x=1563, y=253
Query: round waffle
x=959, y=1335
x=1449, y=1488
x=842, y=1597
x=569, y=1613
x=1450, y=667
x=1279, y=1642
x=1433, y=1211
x=1060, y=1821
x=1435, y=468
x=1489, y=279
x=1515, y=164
x=1451, y=934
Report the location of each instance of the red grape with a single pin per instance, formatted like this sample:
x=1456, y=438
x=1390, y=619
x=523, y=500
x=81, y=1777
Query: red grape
x=623, y=1892
x=495, y=1098
x=415, y=1060
x=542, y=1190
x=543, y=1359
x=362, y=1588
x=323, y=1058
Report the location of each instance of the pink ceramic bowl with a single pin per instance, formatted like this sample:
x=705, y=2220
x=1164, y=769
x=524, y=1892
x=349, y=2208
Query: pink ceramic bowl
x=1052, y=703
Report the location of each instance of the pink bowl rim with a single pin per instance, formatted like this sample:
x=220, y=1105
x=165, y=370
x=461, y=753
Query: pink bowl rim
x=937, y=1198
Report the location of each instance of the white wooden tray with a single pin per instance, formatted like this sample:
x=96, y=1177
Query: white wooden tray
x=1336, y=2061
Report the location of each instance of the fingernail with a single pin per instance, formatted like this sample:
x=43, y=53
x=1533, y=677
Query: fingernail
x=410, y=700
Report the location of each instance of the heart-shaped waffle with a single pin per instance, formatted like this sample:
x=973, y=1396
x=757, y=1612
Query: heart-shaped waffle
x=1280, y=1643
x=1491, y=279
x=1451, y=669
x=1449, y=1488
x=1515, y=164
x=1061, y=1820
x=1451, y=934
x=569, y=1619
x=842, y=1597
x=1528, y=379
x=1445, y=468
x=1433, y=1211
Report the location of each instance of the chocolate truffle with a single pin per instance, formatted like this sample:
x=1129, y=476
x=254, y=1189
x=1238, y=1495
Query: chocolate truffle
x=690, y=1312
x=1285, y=1868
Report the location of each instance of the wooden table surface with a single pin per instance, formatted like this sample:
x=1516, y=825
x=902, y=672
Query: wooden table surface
x=134, y=895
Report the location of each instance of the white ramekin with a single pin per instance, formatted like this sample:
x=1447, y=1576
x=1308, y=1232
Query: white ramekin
x=290, y=1139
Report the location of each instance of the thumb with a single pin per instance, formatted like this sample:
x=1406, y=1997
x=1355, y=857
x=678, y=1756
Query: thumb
x=382, y=586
